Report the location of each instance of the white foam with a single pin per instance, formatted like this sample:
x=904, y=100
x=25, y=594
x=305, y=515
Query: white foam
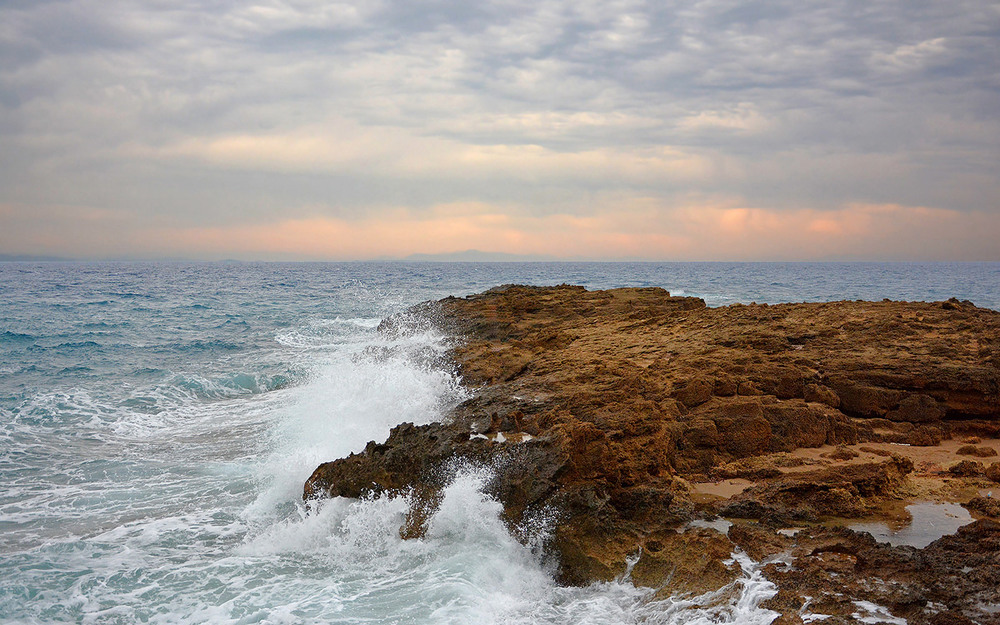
x=320, y=333
x=469, y=569
x=872, y=613
x=354, y=394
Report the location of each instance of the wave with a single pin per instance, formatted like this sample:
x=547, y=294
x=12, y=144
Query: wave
x=326, y=333
x=468, y=568
x=77, y=345
x=231, y=385
x=17, y=337
x=103, y=325
x=353, y=394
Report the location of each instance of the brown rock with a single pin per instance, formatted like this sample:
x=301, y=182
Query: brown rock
x=973, y=450
x=821, y=394
x=625, y=389
x=966, y=468
x=695, y=392
x=950, y=618
x=924, y=436
x=759, y=542
x=841, y=453
x=758, y=468
x=917, y=408
x=790, y=386
x=864, y=400
x=950, y=581
x=693, y=562
x=846, y=491
x=702, y=433
x=745, y=435
x=993, y=472
x=985, y=506
x=725, y=386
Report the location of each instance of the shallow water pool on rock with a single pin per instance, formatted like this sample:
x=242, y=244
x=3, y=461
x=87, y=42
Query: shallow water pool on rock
x=930, y=521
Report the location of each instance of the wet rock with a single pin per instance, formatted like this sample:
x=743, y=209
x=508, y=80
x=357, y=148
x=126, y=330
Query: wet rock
x=628, y=392
x=690, y=562
x=758, y=541
x=837, y=571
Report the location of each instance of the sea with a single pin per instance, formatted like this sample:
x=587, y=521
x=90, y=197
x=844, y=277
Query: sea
x=158, y=420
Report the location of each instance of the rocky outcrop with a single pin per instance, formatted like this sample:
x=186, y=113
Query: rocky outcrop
x=600, y=409
x=843, y=491
x=845, y=574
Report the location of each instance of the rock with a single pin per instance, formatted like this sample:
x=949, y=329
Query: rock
x=864, y=400
x=821, y=394
x=950, y=618
x=759, y=542
x=758, y=468
x=693, y=562
x=841, y=453
x=702, y=433
x=924, y=436
x=627, y=393
x=954, y=580
x=966, y=468
x=973, y=450
x=847, y=491
x=993, y=472
x=985, y=506
x=917, y=408
x=695, y=392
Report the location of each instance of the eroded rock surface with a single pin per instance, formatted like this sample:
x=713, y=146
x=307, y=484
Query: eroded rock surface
x=600, y=410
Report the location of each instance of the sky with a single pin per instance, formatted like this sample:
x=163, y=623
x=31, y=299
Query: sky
x=576, y=129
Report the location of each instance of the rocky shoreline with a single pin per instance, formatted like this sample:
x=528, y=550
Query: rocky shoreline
x=631, y=421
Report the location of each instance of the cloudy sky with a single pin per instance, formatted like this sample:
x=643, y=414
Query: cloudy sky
x=662, y=130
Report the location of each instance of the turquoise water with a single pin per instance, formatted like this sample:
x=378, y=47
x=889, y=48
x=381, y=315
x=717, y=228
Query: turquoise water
x=158, y=420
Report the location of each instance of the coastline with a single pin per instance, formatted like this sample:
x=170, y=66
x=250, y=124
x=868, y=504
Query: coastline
x=621, y=410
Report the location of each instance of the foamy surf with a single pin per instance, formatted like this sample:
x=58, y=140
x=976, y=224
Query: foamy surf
x=467, y=568
x=353, y=394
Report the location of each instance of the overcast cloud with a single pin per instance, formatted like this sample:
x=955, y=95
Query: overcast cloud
x=601, y=129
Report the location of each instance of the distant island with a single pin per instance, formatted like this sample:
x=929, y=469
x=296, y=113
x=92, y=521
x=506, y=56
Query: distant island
x=474, y=256
x=26, y=258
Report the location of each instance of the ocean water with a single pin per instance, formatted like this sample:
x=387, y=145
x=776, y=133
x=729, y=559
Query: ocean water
x=158, y=420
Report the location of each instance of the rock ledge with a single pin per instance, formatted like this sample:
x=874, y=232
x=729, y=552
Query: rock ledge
x=624, y=414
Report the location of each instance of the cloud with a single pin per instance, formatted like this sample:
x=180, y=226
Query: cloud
x=216, y=113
